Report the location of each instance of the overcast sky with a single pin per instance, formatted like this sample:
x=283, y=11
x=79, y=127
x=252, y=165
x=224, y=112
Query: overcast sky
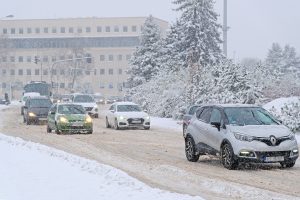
x=254, y=24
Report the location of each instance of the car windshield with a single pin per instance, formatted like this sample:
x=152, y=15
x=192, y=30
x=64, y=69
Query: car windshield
x=40, y=103
x=128, y=108
x=71, y=109
x=249, y=116
x=84, y=99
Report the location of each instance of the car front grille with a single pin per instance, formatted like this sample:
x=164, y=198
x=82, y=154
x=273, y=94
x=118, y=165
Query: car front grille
x=262, y=154
x=268, y=142
x=135, y=121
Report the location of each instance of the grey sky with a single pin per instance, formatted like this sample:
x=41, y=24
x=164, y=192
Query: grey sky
x=254, y=24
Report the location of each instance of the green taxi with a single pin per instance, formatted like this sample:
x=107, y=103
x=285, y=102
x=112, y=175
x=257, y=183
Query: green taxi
x=69, y=118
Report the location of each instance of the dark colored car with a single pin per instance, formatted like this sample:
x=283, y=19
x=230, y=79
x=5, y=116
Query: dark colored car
x=188, y=116
x=36, y=109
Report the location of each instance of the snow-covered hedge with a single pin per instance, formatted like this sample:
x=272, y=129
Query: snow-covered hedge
x=287, y=110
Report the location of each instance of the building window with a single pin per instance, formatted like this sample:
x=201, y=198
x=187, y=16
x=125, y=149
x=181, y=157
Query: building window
x=110, y=57
x=37, y=30
x=110, y=85
x=20, y=72
x=95, y=71
x=120, y=71
x=88, y=29
x=37, y=72
x=107, y=29
x=28, y=71
x=3, y=71
x=29, y=30
x=116, y=29
x=21, y=31
x=61, y=57
x=3, y=85
x=46, y=30
x=128, y=56
x=125, y=28
x=79, y=30
x=12, y=59
x=70, y=85
x=12, y=72
x=71, y=30
x=20, y=59
x=5, y=31
x=45, y=72
x=53, y=58
x=62, y=29
x=99, y=29
x=62, y=72
x=102, y=57
x=13, y=31
x=54, y=72
x=87, y=72
x=110, y=71
x=28, y=59
x=4, y=59
x=133, y=28
x=102, y=71
x=120, y=57
x=102, y=85
x=53, y=30
x=62, y=85
x=45, y=58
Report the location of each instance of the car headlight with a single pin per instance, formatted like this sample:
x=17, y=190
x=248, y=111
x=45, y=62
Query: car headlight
x=243, y=137
x=63, y=120
x=147, y=117
x=88, y=119
x=31, y=114
x=292, y=136
x=121, y=117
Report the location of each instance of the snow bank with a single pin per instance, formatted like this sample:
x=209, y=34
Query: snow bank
x=280, y=102
x=33, y=171
x=166, y=123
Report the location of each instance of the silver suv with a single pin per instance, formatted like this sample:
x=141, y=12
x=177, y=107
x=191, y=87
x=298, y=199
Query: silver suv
x=239, y=133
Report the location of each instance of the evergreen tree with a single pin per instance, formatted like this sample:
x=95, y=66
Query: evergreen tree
x=144, y=63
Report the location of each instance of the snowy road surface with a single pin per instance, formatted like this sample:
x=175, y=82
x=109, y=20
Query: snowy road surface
x=155, y=157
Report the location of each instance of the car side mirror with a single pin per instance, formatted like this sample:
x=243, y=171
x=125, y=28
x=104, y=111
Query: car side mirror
x=216, y=124
x=112, y=111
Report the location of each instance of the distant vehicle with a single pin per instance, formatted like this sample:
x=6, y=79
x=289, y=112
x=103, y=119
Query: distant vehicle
x=188, y=114
x=3, y=102
x=65, y=98
x=88, y=102
x=71, y=118
x=25, y=97
x=125, y=115
x=99, y=99
x=38, y=86
x=113, y=99
x=36, y=109
x=239, y=133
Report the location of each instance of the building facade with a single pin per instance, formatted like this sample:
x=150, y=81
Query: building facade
x=77, y=54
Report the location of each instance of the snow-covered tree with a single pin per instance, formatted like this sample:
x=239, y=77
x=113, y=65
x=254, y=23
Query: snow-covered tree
x=144, y=62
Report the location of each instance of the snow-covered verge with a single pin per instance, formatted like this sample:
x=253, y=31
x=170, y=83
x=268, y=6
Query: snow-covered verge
x=287, y=110
x=33, y=171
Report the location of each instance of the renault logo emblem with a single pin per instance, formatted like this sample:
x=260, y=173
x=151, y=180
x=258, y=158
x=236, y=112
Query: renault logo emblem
x=273, y=140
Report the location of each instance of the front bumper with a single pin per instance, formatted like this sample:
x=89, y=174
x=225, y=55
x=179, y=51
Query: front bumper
x=260, y=152
x=134, y=123
x=72, y=128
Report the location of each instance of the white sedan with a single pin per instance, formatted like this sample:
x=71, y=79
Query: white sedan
x=127, y=114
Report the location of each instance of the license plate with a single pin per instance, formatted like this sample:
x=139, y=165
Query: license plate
x=136, y=121
x=77, y=124
x=274, y=159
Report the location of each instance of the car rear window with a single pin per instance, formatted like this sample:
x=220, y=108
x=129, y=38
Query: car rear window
x=40, y=103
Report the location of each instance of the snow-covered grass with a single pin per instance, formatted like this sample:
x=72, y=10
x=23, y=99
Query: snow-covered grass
x=33, y=171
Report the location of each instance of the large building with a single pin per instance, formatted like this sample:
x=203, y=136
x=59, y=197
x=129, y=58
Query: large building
x=75, y=54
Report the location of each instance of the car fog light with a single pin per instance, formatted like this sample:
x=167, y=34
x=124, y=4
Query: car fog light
x=294, y=152
x=245, y=153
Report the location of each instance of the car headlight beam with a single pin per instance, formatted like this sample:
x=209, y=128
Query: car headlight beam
x=88, y=119
x=31, y=114
x=63, y=120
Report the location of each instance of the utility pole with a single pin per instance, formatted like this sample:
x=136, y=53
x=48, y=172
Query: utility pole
x=225, y=28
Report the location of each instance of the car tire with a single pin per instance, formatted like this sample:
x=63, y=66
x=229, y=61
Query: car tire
x=184, y=129
x=107, y=125
x=96, y=116
x=287, y=164
x=22, y=111
x=28, y=122
x=190, y=149
x=227, y=157
x=56, y=130
x=49, y=130
x=116, y=126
